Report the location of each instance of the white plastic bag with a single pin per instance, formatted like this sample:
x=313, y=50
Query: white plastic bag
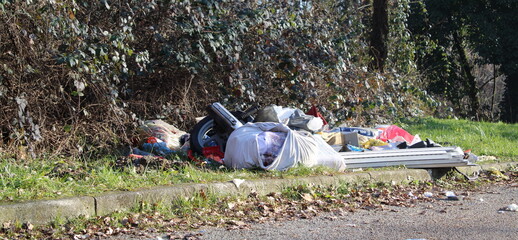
x=327, y=156
x=243, y=151
x=292, y=117
x=307, y=122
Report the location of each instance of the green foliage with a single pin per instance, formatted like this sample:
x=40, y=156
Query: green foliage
x=435, y=55
x=483, y=29
x=402, y=54
x=78, y=76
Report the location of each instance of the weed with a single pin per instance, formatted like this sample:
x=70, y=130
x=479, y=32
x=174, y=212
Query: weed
x=343, y=188
x=297, y=192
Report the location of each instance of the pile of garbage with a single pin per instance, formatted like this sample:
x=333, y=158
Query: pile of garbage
x=278, y=138
x=382, y=137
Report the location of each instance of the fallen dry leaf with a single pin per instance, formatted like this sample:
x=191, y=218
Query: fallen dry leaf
x=307, y=197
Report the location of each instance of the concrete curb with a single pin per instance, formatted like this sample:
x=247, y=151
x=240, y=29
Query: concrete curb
x=473, y=170
x=397, y=176
x=43, y=212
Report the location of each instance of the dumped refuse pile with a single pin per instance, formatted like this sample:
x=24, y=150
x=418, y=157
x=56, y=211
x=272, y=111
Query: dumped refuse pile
x=278, y=138
x=271, y=138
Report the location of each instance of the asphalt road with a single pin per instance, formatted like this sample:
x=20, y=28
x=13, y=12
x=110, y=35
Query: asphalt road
x=477, y=216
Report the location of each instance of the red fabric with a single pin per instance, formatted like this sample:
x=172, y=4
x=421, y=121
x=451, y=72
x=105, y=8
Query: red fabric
x=394, y=131
x=314, y=112
x=214, y=153
x=191, y=156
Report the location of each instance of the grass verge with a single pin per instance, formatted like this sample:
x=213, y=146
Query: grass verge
x=47, y=179
x=483, y=138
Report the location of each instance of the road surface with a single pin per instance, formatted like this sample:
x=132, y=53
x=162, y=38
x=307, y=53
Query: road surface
x=478, y=216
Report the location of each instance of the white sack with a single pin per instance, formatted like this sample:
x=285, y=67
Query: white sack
x=242, y=149
x=327, y=156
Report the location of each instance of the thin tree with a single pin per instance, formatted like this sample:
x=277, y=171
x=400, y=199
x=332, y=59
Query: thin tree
x=380, y=30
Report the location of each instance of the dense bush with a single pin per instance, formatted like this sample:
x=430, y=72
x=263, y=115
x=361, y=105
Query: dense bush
x=79, y=76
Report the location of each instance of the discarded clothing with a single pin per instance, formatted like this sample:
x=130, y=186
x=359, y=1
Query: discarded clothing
x=270, y=144
x=163, y=131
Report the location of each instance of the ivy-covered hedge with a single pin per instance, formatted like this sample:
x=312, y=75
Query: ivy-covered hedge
x=78, y=76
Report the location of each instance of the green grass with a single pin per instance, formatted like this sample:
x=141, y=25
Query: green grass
x=483, y=138
x=56, y=178
x=47, y=179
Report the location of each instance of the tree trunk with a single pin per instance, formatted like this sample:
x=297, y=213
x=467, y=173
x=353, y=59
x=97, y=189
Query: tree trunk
x=509, y=105
x=469, y=81
x=494, y=93
x=380, y=29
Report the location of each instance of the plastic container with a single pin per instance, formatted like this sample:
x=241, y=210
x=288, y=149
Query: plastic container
x=362, y=131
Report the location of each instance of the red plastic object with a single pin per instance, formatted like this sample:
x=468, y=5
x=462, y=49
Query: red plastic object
x=135, y=156
x=394, y=131
x=314, y=112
